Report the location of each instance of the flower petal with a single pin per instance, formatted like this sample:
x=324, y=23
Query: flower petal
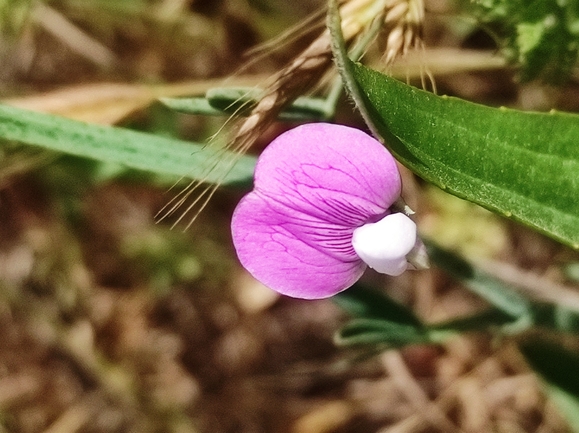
x=383, y=245
x=314, y=185
x=270, y=250
x=333, y=172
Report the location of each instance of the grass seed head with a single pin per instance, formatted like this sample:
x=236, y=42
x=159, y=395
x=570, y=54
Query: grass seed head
x=402, y=19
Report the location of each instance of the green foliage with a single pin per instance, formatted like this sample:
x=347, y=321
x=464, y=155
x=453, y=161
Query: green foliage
x=378, y=320
x=381, y=321
x=380, y=333
x=559, y=367
x=136, y=150
x=165, y=258
x=519, y=164
x=542, y=36
x=361, y=301
x=240, y=101
x=14, y=16
x=494, y=291
x=512, y=312
x=522, y=165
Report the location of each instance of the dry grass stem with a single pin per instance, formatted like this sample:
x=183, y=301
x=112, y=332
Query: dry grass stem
x=530, y=283
x=73, y=37
x=430, y=412
x=108, y=103
x=473, y=398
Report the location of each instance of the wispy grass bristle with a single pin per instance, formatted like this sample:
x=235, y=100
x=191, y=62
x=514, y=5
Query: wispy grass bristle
x=402, y=19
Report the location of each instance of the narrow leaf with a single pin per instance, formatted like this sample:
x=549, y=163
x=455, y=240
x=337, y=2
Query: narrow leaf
x=375, y=331
x=491, y=289
x=363, y=302
x=200, y=106
x=492, y=318
x=556, y=317
x=559, y=367
x=130, y=148
x=239, y=101
x=513, y=310
x=378, y=319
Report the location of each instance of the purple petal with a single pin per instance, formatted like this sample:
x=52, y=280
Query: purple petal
x=333, y=172
x=314, y=185
x=270, y=250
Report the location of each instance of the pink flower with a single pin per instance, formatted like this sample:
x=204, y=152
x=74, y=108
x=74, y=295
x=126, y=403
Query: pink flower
x=320, y=212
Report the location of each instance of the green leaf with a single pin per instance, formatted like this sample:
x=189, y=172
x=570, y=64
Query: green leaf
x=378, y=320
x=567, y=403
x=540, y=36
x=363, y=302
x=559, y=367
x=522, y=165
x=490, y=319
x=529, y=36
x=132, y=149
x=487, y=287
x=555, y=317
x=200, y=106
x=379, y=332
x=571, y=271
x=240, y=100
x=514, y=312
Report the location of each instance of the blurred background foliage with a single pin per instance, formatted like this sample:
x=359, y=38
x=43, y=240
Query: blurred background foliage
x=542, y=36
x=113, y=322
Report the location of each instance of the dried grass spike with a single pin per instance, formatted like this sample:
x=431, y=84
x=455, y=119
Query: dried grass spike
x=404, y=20
x=396, y=13
x=306, y=70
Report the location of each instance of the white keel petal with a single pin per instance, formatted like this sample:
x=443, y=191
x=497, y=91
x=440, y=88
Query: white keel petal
x=383, y=245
